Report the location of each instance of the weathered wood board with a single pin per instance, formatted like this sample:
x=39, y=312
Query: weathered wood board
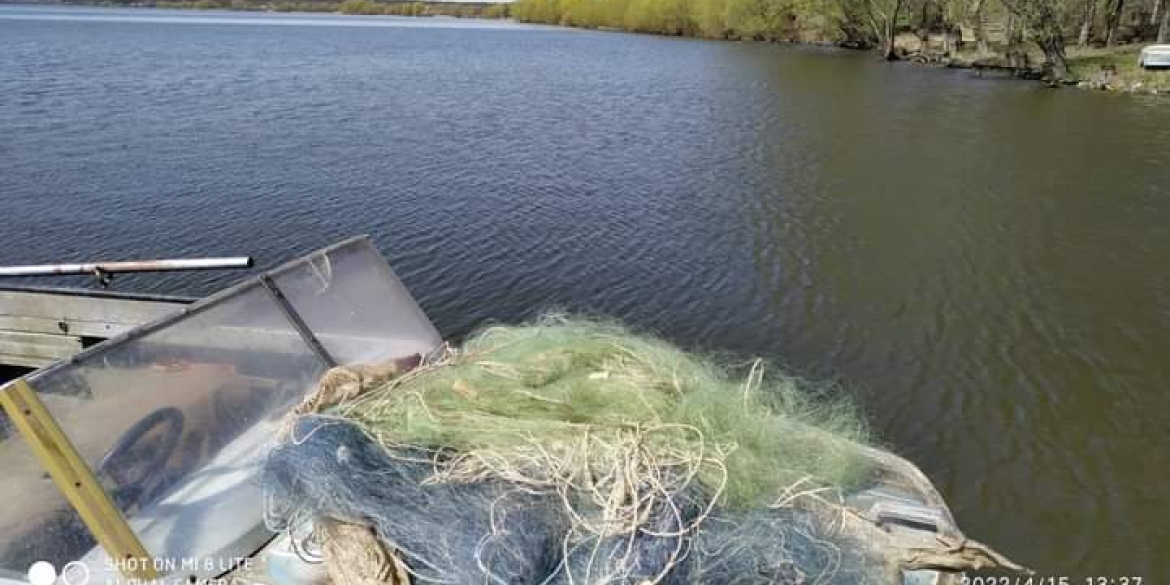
x=41, y=326
x=35, y=350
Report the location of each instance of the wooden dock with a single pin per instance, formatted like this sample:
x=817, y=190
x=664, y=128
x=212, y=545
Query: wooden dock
x=41, y=325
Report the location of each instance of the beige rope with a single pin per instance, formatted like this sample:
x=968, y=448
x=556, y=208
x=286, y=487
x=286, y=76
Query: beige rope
x=355, y=556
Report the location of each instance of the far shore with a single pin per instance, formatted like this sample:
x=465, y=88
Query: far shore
x=456, y=9
x=1095, y=67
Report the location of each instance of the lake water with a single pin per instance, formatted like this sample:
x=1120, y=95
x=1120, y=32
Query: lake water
x=983, y=263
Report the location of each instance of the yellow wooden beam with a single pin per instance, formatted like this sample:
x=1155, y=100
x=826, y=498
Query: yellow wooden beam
x=76, y=480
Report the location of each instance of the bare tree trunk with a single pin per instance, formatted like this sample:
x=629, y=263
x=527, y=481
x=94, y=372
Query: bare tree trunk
x=1055, y=62
x=1112, y=20
x=885, y=25
x=1159, y=5
x=1164, y=30
x=1041, y=18
x=1012, y=39
x=976, y=15
x=1087, y=26
x=891, y=28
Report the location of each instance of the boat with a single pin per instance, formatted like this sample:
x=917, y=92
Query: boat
x=1154, y=57
x=135, y=459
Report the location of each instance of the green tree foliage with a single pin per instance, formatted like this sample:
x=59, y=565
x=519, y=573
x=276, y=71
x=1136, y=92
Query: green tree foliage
x=731, y=19
x=500, y=10
x=398, y=8
x=360, y=7
x=879, y=18
x=1045, y=21
x=1047, y=24
x=367, y=7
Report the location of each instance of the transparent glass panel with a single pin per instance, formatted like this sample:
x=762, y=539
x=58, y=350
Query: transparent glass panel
x=175, y=420
x=356, y=306
x=176, y=417
x=36, y=523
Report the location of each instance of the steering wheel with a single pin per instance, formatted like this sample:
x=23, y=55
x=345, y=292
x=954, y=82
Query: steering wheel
x=135, y=468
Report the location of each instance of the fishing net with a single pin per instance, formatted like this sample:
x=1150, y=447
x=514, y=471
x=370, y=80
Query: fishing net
x=576, y=452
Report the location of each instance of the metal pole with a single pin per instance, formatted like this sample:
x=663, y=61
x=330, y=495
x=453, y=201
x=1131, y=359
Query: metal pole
x=117, y=267
x=294, y=319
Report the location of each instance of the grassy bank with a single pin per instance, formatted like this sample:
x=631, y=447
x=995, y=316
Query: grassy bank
x=1116, y=69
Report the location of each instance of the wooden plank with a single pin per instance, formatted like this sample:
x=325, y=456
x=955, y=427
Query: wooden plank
x=76, y=480
x=36, y=350
x=23, y=362
x=78, y=314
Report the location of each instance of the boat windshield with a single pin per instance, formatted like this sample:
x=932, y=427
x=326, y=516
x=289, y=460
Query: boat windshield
x=175, y=417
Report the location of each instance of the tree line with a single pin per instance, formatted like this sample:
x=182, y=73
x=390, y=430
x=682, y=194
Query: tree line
x=1050, y=24
x=461, y=10
x=367, y=7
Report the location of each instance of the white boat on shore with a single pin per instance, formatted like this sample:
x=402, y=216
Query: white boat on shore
x=1155, y=57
